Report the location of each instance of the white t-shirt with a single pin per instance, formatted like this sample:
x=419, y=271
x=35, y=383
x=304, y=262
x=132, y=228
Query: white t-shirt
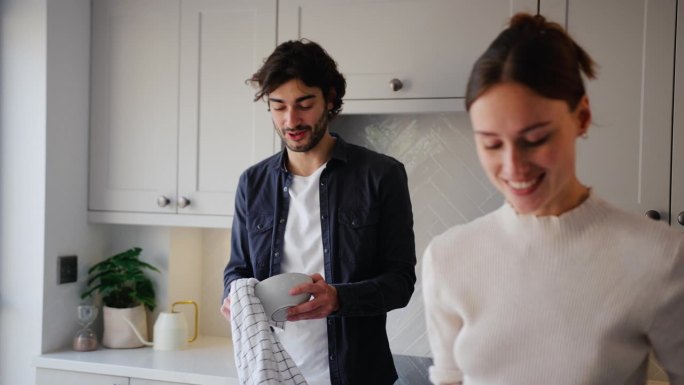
x=307, y=340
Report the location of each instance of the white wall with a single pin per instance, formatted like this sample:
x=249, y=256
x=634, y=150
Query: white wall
x=184, y=278
x=66, y=229
x=44, y=75
x=22, y=185
x=215, y=255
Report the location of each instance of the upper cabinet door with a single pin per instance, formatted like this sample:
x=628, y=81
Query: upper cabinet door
x=626, y=158
x=134, y=104
x=677, y=188
x=222, y=130
x=427, y=46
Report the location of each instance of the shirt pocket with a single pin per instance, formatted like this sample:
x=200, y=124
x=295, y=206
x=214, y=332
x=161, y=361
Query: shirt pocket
x=261, y=223
x=358, y=240
x=260, y=229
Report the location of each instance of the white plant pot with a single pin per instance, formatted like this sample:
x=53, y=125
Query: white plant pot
x=118, y=334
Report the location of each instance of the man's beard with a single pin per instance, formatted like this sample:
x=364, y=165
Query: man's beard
x=317, y=132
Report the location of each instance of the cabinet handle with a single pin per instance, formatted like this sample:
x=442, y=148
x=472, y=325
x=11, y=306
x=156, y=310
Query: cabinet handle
x=653, y=215
x=163, y=201
x=183, y=202
x=680, y=218
x=396, y=85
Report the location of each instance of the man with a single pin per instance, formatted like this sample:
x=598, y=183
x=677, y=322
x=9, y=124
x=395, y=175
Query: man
x=338, y=212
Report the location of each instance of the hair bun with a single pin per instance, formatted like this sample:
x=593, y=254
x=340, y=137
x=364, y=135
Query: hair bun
x=537, y=53
x=527, y=21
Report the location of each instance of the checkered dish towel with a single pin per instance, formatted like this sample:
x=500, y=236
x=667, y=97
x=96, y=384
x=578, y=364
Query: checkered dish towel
x=259, y=356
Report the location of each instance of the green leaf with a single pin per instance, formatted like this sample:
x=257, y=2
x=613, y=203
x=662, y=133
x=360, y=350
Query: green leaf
x=121, y=282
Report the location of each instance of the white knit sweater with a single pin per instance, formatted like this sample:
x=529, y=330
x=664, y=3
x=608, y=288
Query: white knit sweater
x=576, y=299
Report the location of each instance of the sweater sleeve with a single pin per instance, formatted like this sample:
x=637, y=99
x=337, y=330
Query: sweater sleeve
x=666, y=333
x=443, y=324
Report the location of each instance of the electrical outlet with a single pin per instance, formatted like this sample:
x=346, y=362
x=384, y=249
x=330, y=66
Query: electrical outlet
x=67, y=269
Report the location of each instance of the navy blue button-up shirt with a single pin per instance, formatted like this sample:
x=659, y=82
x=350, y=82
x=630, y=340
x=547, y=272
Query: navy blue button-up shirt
x=368, y=249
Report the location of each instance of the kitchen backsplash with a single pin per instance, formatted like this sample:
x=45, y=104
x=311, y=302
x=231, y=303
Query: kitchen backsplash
x=447, y=187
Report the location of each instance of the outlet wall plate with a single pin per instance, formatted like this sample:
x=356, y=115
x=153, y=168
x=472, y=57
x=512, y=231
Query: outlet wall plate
x=67, y=269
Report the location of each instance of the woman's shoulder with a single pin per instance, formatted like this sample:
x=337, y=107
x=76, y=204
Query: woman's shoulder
x=632, y=224
x=654, y=244
x=469, y=232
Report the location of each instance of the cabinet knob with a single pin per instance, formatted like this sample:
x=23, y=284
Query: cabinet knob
x=653, y=215
x=183, y=202
x=163, y=201
x=396, y=85
x=680, y=218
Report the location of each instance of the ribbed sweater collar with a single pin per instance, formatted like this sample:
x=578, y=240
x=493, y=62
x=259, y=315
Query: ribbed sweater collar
x=576, y=219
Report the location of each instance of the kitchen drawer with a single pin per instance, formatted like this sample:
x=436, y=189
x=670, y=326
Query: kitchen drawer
x=65, y=377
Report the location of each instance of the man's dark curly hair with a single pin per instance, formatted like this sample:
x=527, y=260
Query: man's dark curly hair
x=304, y=60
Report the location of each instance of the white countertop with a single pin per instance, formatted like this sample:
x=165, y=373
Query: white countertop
x=207, y=361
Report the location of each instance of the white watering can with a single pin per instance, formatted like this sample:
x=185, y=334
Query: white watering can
x=170, y=329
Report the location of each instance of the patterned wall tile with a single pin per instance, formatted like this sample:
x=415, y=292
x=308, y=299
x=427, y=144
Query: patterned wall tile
x=447, y=186
x=655, y=372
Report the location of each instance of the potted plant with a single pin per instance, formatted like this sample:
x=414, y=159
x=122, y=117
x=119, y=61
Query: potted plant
x=126, y=291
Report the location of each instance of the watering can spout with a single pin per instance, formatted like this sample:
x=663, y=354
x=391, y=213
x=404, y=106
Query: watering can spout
x=137, y=333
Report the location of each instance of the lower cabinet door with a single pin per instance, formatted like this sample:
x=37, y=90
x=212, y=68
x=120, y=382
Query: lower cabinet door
x=64, y=377
x=140, y=381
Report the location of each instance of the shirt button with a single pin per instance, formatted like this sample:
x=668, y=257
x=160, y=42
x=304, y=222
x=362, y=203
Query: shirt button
x=330, y=322
x=353, y=223
x=276, y=254
x=325, y=251
x=332, y=357
x=322, y=183
x=285, y=189
x=259, y=227
x=282, y=220
x=323, y=216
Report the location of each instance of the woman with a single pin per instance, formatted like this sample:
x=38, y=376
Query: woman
x=557, y=286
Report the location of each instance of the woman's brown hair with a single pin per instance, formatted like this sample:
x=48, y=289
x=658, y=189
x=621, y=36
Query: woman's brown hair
x=536, y=53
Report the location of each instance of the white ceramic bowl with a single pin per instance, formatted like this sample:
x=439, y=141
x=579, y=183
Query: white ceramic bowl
x=274, y=294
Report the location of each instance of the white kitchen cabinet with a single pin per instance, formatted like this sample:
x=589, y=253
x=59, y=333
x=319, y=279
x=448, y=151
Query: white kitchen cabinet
x=223, y=131
x=68, y=377
x=626, y=158
x=426, y=46
x=173, y=123
x=677, y=188
x=65, y=377
x=140, y=381
x=134, y=103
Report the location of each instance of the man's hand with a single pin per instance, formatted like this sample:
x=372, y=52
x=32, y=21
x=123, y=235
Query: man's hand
x=324, y=300
x=225, y=308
